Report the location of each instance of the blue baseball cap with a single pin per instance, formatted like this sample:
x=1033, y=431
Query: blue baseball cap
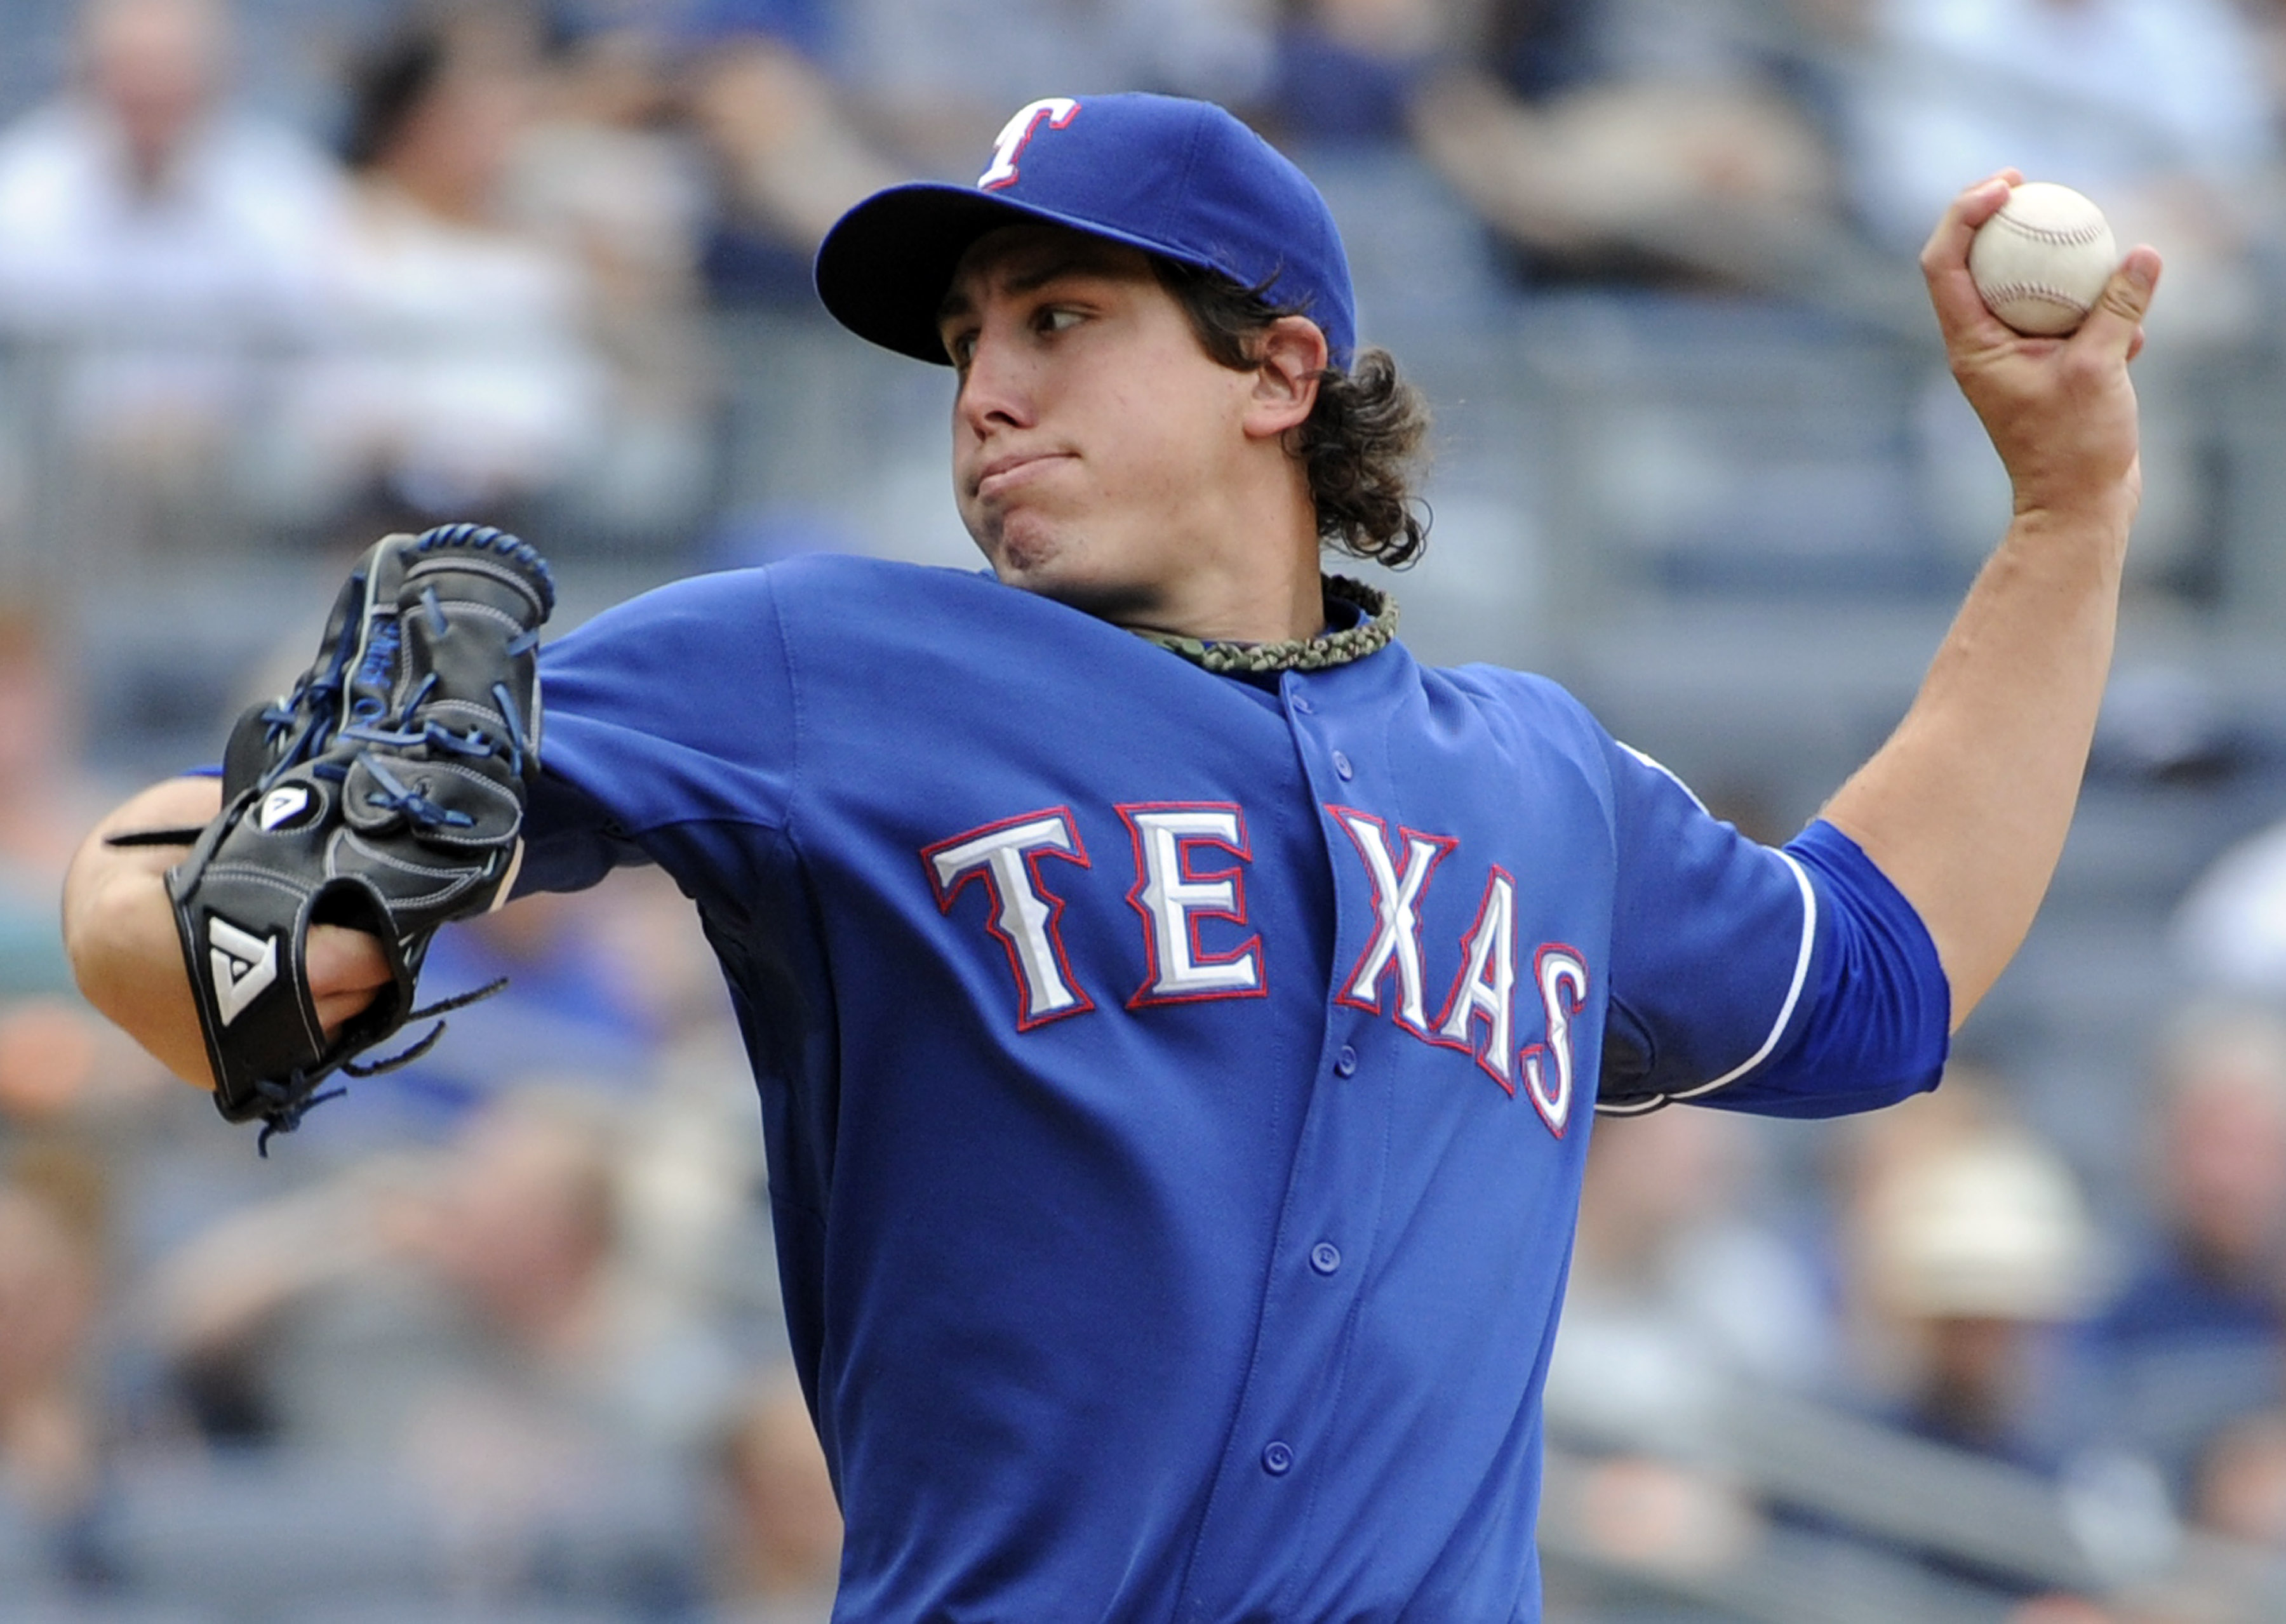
x=1170, y=176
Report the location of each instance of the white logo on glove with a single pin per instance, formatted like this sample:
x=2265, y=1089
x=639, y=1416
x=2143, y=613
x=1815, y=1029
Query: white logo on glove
x=280, y=805
x=244, y=967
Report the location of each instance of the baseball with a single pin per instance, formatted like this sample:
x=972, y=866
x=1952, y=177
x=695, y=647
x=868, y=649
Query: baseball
x=2041, y=263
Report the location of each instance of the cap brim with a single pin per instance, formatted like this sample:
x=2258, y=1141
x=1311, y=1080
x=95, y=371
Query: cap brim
x=885, y=267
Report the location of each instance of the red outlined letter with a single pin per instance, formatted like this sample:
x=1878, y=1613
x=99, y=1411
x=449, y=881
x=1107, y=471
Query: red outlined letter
x=1562, y=978
x=1396, y=920
x=1486, y=988
x=1016, y=133
x=1172, y=899
x=1007, y=856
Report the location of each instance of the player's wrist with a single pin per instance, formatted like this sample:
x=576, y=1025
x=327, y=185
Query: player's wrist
x=2063, y=481
x=2104, y=512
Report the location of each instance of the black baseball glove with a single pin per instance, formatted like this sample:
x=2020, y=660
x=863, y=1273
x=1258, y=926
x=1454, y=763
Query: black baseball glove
x=385, y=793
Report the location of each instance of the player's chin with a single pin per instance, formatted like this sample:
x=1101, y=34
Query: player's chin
x=1033, y=552
x=1022, y=549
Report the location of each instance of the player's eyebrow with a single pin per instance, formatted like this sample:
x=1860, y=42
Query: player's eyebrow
x=1078, y=259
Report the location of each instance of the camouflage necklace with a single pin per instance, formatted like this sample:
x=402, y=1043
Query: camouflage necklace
x=1369, y=635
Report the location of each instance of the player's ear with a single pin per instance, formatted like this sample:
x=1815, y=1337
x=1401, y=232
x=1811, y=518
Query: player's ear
x=1290, y=353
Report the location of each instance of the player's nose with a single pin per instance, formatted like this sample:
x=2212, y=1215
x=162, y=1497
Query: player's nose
x=997, y=389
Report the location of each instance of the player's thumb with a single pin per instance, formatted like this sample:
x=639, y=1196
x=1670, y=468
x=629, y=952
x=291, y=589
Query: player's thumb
x=2117, y=321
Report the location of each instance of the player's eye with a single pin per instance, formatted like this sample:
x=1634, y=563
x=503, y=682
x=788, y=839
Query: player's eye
x=961, y=346
x=1057, y=318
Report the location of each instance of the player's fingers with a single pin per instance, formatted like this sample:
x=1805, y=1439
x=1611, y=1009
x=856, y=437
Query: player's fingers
x=1944, y=257
x=2117, y=321
x=1981, y=201
x=1974, y=205
x=347, y=968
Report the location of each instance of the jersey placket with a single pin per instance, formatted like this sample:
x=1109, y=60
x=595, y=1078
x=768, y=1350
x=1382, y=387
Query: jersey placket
x=1276, y=1461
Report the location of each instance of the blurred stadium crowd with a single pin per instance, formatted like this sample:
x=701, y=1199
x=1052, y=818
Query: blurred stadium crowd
x=497, y=1338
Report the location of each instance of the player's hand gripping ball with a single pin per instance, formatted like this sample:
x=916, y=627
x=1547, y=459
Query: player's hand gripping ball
x=2042, y=262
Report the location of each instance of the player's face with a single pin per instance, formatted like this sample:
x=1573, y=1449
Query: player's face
x=1095, y=445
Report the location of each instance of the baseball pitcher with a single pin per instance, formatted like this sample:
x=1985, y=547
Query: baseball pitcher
x=1178, y=1014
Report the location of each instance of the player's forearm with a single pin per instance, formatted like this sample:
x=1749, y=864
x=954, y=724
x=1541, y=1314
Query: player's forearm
x=1968, y=806
x=119, y=928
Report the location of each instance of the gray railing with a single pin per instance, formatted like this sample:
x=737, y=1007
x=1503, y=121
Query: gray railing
x=1760, y=1506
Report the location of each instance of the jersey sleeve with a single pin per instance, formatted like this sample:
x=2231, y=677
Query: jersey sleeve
x=668, y=717
x=1793, y=982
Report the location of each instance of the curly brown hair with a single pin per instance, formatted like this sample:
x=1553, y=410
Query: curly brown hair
x=1365, y=441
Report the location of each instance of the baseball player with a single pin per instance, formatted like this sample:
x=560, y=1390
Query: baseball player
x=1178, y=1014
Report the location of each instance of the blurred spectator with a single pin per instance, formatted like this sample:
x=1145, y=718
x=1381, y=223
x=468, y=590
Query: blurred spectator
x=466, y=1321
x=2056, y=1609
x=1679, y=1297
x=2238, y=1502
x=2229, y=930
x=50, y=1294
x=161, y=247
x=2157, y=109
x=2239, y=1486
x=470, y=1324
x=938, y=78
x=1347, y=69
x=608, y=176
x=56, y=1056
x=464, y=382
x=43, y=797
x=52, y=1055
x=1676, y=1291
x=43, y=794
x=1972, y=1246
x=2193, y=1334
x=1635, y=139
x=777, y=1536
x=788, y=157
x=495, y=1258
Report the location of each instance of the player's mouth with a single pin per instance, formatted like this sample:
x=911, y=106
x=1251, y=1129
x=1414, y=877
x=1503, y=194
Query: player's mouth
x=1005, y=473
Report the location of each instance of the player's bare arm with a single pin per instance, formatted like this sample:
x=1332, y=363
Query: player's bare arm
x=119, y=929
x=1967, y=806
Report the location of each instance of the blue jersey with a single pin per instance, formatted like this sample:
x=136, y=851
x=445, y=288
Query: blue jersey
x=1175, y=1085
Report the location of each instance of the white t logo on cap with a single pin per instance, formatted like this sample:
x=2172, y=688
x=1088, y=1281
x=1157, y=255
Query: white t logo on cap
x=1058, y=110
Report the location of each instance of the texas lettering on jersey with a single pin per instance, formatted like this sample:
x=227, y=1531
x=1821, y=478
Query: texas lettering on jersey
x=1189, y=868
